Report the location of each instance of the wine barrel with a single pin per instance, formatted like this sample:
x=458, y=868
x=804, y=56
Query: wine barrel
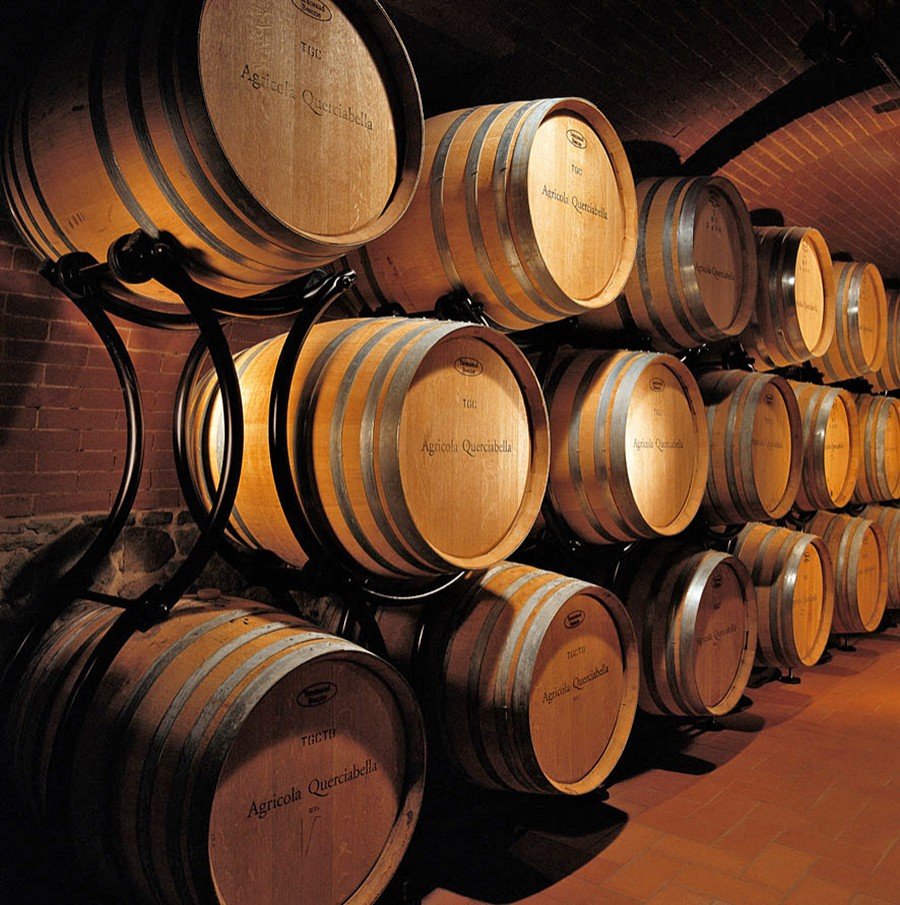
x=526, y=207
x=879, y=464
x=860, y=337
x=858, y=549
x=756, y=447
x=831, y=446
x=889, y=520
x=694, y=616
x=419, y=447
x=266, y=138
x=629, y=447
x=794, y=581
x=793, y=320
x=694, y=276
x=226, y=756
x=528, y=679
x=887, y=377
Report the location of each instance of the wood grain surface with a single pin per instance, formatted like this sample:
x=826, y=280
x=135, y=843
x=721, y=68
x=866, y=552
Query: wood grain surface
x=794, y=580
x=279, y=136
x=694, y=278
x=226, y=757
x=526, y=207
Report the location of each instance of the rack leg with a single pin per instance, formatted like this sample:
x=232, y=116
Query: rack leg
x=789, y=678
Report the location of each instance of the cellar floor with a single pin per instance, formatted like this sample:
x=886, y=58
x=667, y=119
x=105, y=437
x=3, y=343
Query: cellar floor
x=796, y=800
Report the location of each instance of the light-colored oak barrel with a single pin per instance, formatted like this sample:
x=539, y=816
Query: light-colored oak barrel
x=267, y=138
x=887, y=377
x=794, y=581
x=528, y=679
x=879, y=464
x=227, y=757
x=793, y=319
x=694, y=617
x=755, y=447
x=859, y=551
x=694, y=276
x=419, y=446
x=629, y=446
x=831, y=446
x=527, y=207
x=889, y=520
x=861, y=324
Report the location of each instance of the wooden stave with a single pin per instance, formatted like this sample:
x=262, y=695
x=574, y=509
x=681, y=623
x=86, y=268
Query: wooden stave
x=845, y=358
x=101, y=836
x=874, y=483
x=552, y=591
x=233, y=244
x=479, y=254
x=816, y=404
x=397, y=555
x=889, y=519
x=775, y=637
x=843, y=536
x=730, y=507
x=661, y=592
x=608, y=512
x=773, y=338
x=887, y=377
x=672, y=327
x=487, y=741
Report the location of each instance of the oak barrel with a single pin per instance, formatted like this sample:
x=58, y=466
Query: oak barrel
x=526, y=207
x=528, y=679
x=879, y=464
x=793, y=319
x=267, y=138
x=419, y=446
x=694, y=615
x=226, y=757
x=861, y=324
x=629, y=447
x=859, y=552
x=755, y=447
x=887, y=377
x=831, y=446
x=889, y=520
x=694, y=276
x=794, y=581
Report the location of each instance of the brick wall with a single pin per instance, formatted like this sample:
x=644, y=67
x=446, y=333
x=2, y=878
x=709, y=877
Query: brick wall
x=838, y=169
x=62, y=434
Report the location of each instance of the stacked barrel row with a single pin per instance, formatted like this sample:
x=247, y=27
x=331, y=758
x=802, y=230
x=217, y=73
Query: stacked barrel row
x=226, y=754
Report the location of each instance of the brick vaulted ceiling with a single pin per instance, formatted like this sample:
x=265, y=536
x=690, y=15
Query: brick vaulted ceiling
x=838, y=168
x=690, y=85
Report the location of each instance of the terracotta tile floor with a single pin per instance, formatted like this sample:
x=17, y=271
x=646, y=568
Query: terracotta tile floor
x=796, y=800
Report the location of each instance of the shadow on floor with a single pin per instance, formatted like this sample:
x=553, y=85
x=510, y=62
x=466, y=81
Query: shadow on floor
x=500, y=848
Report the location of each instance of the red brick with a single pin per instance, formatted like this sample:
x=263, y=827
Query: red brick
x=52, y=503
x=40, y=440
x=58, y=353
x=102, y=439
x=80, y=461
x=68, y=376
x=47, y=482
x=18, y=417
x=13, y=505
x=21, y=282
x=24, y=327
x=14, y=462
